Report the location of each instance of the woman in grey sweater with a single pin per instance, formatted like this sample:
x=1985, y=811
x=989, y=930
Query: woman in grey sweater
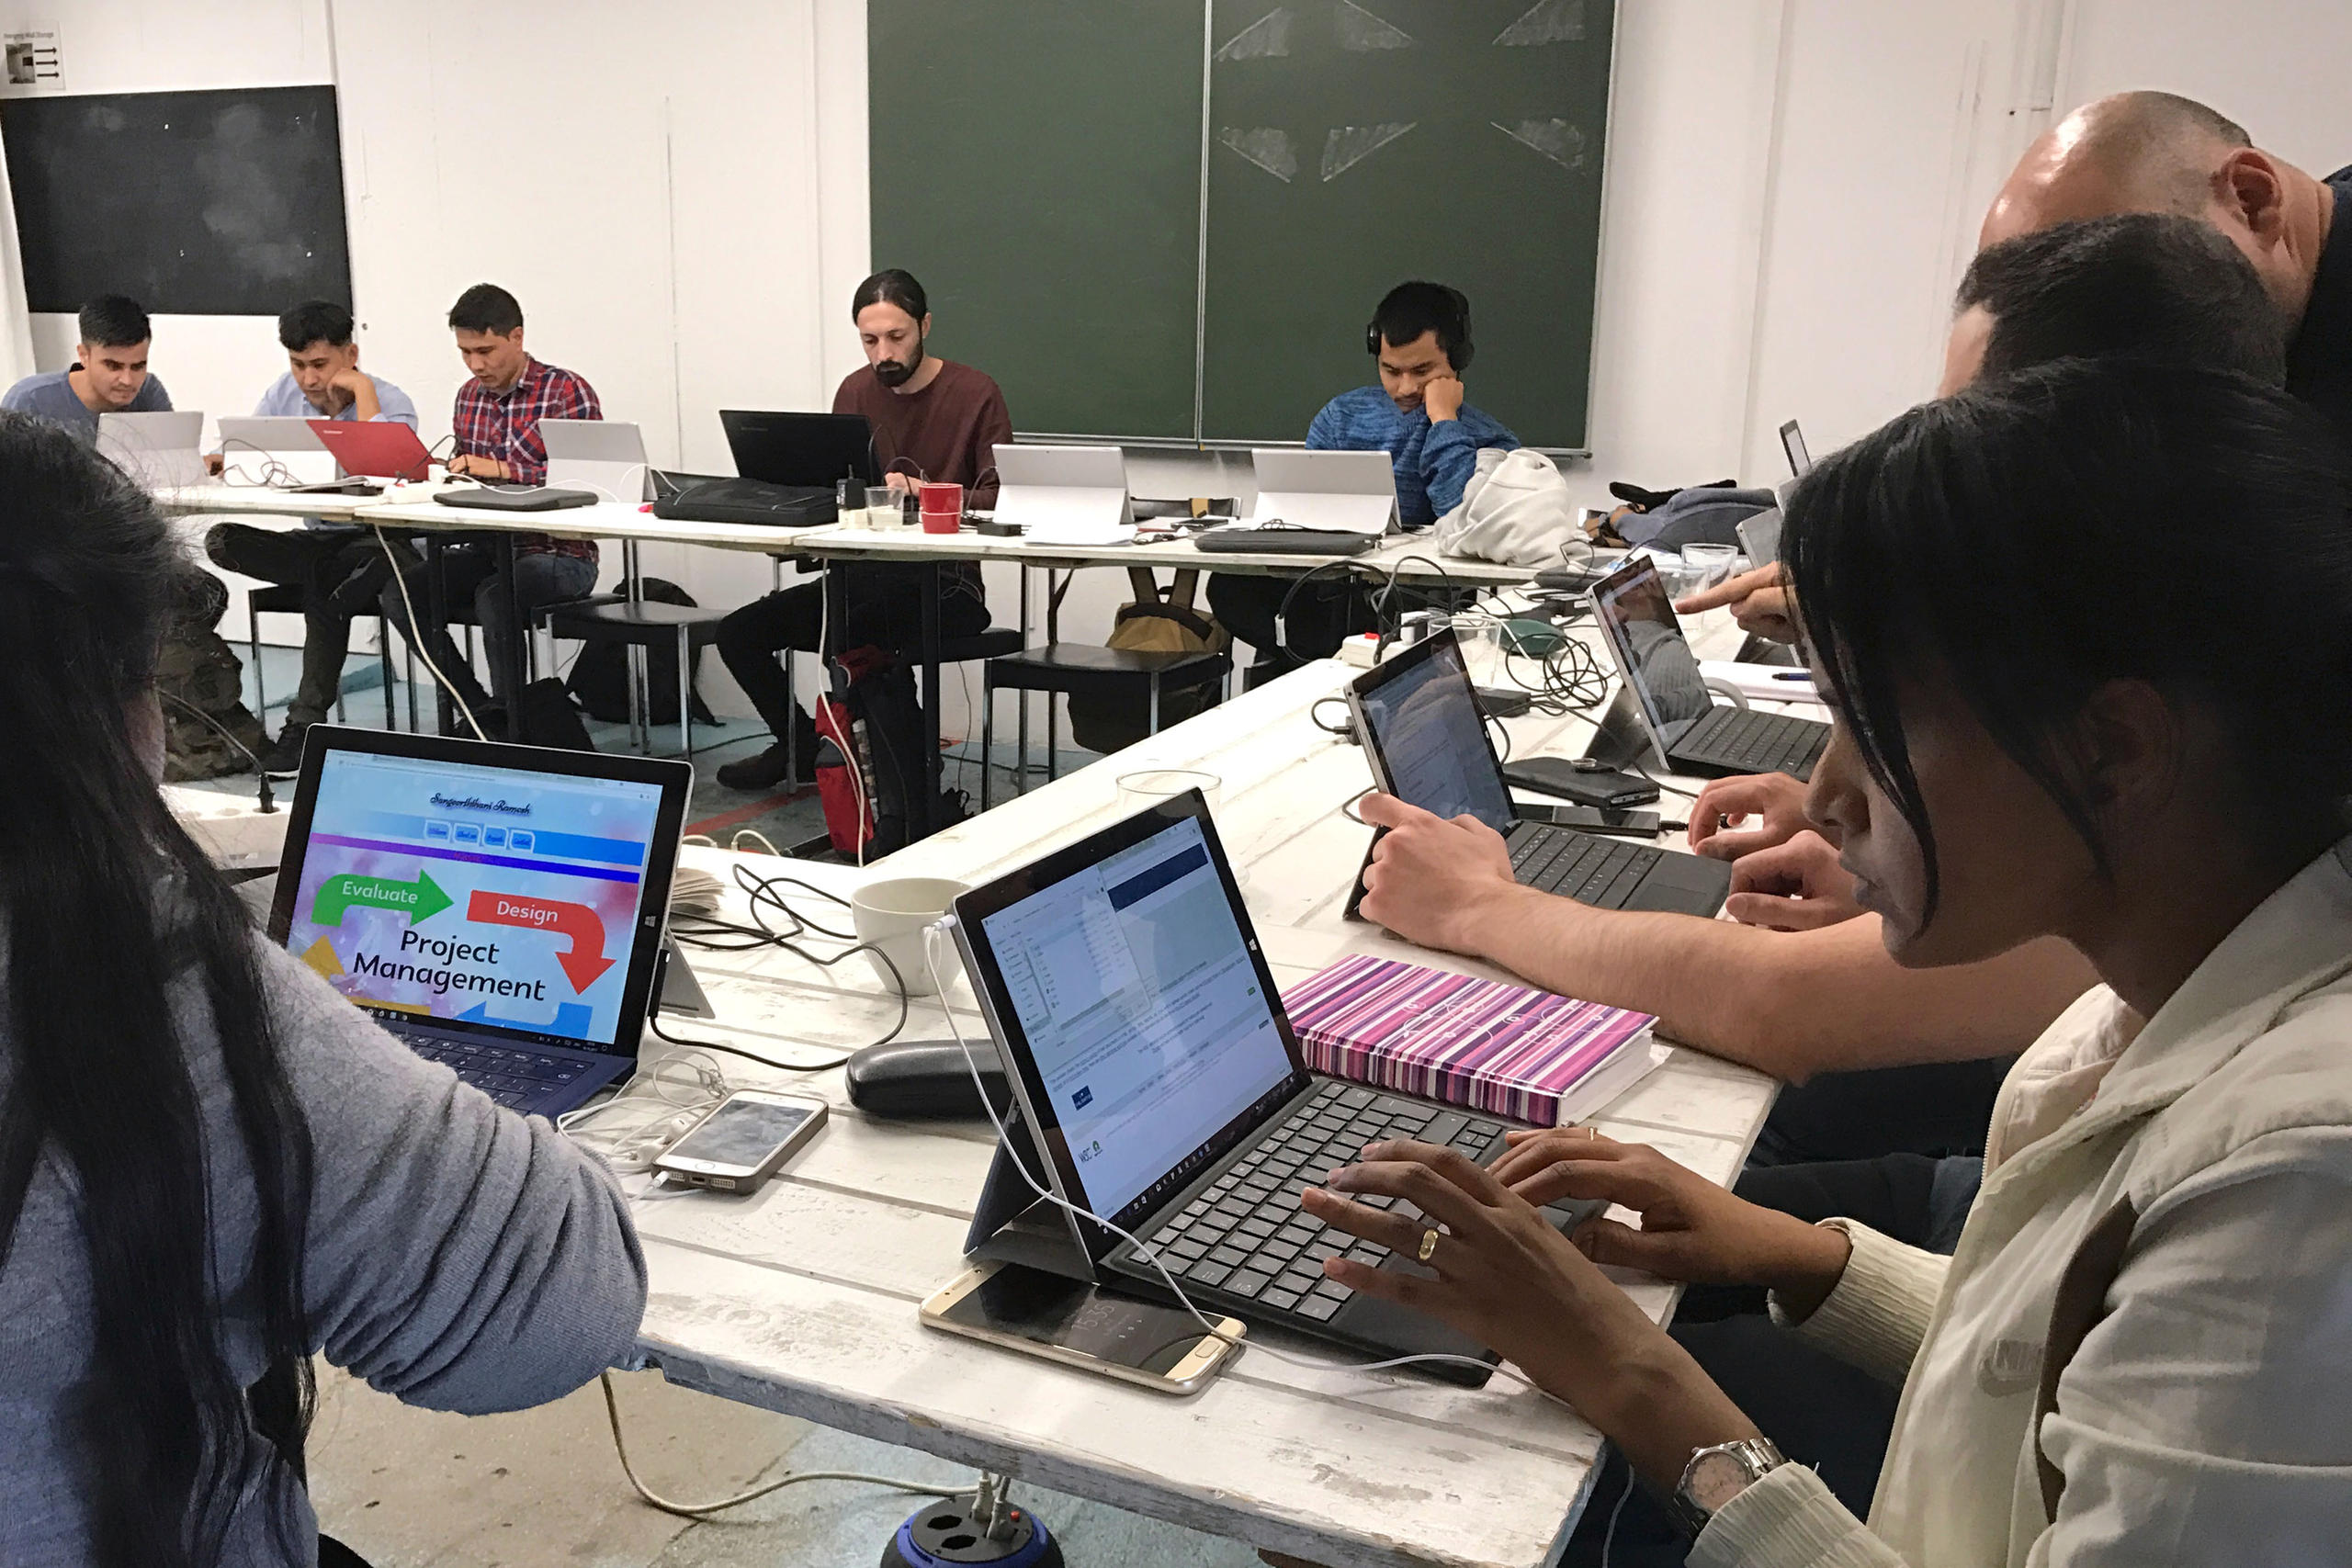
x=210, y=1165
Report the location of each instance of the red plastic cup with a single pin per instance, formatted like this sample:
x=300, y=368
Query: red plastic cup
x=942, y=506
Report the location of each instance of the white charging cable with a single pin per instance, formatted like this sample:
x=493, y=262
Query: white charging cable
x=937, y=931
x=416, y=636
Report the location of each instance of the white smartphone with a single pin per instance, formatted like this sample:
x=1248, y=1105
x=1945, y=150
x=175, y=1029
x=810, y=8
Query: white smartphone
x=743, y=1142
x=1070, y=1321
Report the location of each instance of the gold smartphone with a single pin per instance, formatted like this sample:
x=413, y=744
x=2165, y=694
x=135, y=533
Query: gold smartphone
x=1080, y=1325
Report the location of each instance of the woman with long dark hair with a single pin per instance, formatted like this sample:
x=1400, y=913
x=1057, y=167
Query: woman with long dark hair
x=2088, y=633
x=211, y=1166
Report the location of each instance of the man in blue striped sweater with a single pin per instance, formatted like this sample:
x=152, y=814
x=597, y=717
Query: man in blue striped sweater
x=1418, y=414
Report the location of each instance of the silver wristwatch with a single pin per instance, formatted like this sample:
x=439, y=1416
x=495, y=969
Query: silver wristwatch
x=1715, y=1475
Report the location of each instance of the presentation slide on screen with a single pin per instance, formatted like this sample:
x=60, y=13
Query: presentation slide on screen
x=496, y=895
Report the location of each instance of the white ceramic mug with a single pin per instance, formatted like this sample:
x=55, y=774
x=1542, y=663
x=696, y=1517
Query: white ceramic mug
x=892, y=915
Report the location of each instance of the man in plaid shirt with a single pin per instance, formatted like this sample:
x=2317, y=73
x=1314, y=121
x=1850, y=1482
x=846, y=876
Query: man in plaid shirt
x=497, y=439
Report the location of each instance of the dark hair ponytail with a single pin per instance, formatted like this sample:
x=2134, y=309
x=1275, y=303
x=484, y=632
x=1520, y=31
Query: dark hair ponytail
x=107, y=904
x=892, y=285
x=2028, y=540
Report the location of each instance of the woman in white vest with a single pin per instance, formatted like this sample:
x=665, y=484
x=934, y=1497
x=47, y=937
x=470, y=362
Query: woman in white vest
x=2089, y=632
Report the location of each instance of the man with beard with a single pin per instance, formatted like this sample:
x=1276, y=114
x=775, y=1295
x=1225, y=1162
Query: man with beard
x=932, y=419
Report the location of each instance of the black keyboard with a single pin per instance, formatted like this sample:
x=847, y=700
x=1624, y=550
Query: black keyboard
x=1583, y=867
x=513, y=1076
x=1745, y=740
x=1246, y=1235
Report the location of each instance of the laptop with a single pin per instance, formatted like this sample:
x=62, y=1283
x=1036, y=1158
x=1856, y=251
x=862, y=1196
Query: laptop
x=159, y=450
x=804, y=451
x=284, y=451
x=1676, y=705
x=604, y=456
x=1068, y=495
x=1338, y=492
x=1427, y=743
x=1150, y=1059
x=500, y=908
x=381, y=448
x=1792, y=446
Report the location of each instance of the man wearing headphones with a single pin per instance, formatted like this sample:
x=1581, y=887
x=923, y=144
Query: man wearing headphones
x=1420, y=337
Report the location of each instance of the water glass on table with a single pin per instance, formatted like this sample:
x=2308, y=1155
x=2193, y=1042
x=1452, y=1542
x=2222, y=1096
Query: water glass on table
x=1157, y=785
x=1709, y=564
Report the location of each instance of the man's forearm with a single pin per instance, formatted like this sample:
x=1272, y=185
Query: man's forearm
x=1789, y=1003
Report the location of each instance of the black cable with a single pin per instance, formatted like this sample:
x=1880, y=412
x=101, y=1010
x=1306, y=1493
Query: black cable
x=1670, y=789
x=1345, y=729
x=267, y=802
x=764, y=896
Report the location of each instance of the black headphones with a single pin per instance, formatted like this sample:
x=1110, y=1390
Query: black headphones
x=1453, y=335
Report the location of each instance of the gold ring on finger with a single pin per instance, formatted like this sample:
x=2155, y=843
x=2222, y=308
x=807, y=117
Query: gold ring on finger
x=1429, y=1244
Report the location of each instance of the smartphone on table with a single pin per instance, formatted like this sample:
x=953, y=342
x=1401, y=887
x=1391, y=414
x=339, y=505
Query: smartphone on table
x=1080, y=1325
x=743, y=1142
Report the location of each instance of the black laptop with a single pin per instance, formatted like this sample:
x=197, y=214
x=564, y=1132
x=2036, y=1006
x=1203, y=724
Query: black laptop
x=1152, y=1063
x=1676, y=707
x=498, y=908
x=1426, y=740
x=515, y=498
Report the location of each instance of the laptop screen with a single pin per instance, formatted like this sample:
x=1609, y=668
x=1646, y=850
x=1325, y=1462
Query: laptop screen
x=1423, y=726
x=1144, y=1011
x=498, y=897
x=1633, y=611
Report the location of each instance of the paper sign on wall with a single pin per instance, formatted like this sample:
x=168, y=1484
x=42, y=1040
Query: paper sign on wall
x=32, y=60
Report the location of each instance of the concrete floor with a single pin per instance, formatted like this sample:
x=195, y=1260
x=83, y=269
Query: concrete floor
x=410, y=1488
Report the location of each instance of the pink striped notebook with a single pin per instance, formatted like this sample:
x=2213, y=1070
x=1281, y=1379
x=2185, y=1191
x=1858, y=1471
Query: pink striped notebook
x=1505, y=1049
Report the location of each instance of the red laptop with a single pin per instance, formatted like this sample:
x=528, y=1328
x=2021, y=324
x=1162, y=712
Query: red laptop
x=378, y=448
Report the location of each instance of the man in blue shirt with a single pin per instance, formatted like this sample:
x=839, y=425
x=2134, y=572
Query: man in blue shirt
x=340, y=570
x=1418, y=416
x=108, y=374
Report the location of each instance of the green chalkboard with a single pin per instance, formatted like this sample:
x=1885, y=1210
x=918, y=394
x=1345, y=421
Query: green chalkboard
x=1356, y=146
x=1037, y=164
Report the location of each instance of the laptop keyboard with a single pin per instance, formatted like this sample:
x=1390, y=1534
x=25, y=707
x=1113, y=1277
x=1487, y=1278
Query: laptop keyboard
x=1583, y=867
x=509, y=1075
x=1751, y=741
x=1247, y=1237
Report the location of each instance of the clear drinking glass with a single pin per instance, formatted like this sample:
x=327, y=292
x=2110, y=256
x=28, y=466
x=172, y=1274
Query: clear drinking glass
x=1150, y=788
x=1710, y=564
x=882, y=509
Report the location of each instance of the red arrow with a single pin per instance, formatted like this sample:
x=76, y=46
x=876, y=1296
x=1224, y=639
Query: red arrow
x=586, y=959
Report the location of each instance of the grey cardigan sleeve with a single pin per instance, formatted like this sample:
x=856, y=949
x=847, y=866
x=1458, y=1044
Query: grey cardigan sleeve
x=460, y=1255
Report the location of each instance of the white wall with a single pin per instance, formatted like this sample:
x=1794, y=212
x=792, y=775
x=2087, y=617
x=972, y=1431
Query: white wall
x=678, y=196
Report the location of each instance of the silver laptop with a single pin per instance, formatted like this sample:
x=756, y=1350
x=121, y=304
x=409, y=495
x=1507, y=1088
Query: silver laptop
x=275, y=449
x=606, y=456
x=160, y=450
x=1676, y=705
x=1063, y=491
x=1340, y=493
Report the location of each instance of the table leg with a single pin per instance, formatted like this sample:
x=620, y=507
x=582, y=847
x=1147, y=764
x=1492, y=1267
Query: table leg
x=636, y=661
x=437, y=613
x=1021, y=747
x=517, y=673
x=926, y=813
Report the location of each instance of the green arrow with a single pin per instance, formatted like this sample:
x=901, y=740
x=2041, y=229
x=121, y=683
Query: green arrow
x=419, y=900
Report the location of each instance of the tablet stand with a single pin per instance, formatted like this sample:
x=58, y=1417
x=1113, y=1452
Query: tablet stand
x=1012, y=1225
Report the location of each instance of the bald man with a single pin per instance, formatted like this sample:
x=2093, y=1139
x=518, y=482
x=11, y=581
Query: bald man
x=2147, y=151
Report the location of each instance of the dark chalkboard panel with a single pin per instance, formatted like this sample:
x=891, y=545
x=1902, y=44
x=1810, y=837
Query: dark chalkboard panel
x=1359, y=145
x=199, y=204
x=1038, y=166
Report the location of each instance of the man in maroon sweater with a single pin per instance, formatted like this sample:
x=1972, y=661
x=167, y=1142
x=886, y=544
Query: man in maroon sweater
x=932, y=420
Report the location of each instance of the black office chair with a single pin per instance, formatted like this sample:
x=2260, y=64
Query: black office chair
x=285, y=599
x=646, y=624
x=1078, y=669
